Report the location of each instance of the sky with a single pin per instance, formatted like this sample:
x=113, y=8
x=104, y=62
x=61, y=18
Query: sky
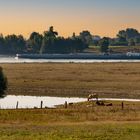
x=100, y=17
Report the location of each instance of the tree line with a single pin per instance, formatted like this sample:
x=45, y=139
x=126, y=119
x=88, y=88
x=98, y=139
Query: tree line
x=48, y=42
x=51, y=42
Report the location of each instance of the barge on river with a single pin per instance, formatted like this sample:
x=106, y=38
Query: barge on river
x=127, y=56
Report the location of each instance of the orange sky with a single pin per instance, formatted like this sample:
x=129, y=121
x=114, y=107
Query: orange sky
x=67, y=17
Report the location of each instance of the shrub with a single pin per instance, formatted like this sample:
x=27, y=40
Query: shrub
x=3, y=82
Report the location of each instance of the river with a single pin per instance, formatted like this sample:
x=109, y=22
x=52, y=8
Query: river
x=12, y=59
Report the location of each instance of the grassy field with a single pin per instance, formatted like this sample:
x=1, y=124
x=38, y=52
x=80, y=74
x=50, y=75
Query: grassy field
x=83, y=131
x=79, y=122
x=107, y=79
x=115, y=49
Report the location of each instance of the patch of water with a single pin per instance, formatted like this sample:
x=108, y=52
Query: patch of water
x=12, y=59
x=10, y=101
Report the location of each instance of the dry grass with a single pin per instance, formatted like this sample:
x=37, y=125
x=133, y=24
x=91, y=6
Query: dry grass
x=83, y=131
x=107, y=79
x=82, y=121
x=80, y=112
x=115, y=49
x=79, y=122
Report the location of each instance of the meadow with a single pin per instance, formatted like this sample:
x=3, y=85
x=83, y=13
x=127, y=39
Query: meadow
x=115, y=49
x=80, y=121
x=121, y=80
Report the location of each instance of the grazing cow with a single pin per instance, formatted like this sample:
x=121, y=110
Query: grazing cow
x=91, y=96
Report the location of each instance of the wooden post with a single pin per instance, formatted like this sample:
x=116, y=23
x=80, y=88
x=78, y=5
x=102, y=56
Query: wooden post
x=66, y=105
x=41, y=105
x=17, y=105
x=122, y=105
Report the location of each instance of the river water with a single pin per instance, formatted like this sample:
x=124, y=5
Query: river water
x=12, y=59
x=10, y=101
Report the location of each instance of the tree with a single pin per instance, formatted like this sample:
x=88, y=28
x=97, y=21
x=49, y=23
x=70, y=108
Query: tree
x=3, y=82
x=104, y=44
x=131, y=33
x=131, y=42
x=14, y=44
x=2, y=49
x=137, y=40
x=34, y=43
x=122, y=38
x=48, y=41
x=51, y=33
x=86, y=37
x=126, y=37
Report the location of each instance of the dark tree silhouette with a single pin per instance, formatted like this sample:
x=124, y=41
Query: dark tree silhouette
x=14, y=44
x=2, y=41
x=50, y=42
x=104, y=44
x=51, y=33
x=34, y=42
x=86, y=37
x=3, y=82
x=127, y=37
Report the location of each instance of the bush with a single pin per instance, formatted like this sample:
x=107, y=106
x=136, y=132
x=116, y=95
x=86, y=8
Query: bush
x=3, y=82
x=104, y=44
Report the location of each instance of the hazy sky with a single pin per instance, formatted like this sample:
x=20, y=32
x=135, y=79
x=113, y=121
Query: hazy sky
x=102, y=17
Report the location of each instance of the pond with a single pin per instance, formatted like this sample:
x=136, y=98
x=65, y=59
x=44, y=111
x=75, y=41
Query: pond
x=10, y=101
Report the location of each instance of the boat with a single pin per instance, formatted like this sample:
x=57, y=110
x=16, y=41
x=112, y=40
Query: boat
x=119, y=56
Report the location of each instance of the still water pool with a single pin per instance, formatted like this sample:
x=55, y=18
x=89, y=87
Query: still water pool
x=10, y=101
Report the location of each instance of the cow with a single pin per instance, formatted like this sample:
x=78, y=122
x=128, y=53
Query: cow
x=91, y=96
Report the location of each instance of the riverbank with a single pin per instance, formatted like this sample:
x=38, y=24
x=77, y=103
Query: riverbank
x=111, y=80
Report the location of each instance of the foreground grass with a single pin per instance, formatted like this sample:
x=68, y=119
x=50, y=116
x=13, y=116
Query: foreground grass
x=83, y=131
x=80, y=112
x=79, y=122
x=82, y=121
x=120, y=80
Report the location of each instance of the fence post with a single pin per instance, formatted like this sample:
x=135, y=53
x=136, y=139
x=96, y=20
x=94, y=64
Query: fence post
x=122, y=105
x=66, y=105
x=17, y=105
x=41, y=106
